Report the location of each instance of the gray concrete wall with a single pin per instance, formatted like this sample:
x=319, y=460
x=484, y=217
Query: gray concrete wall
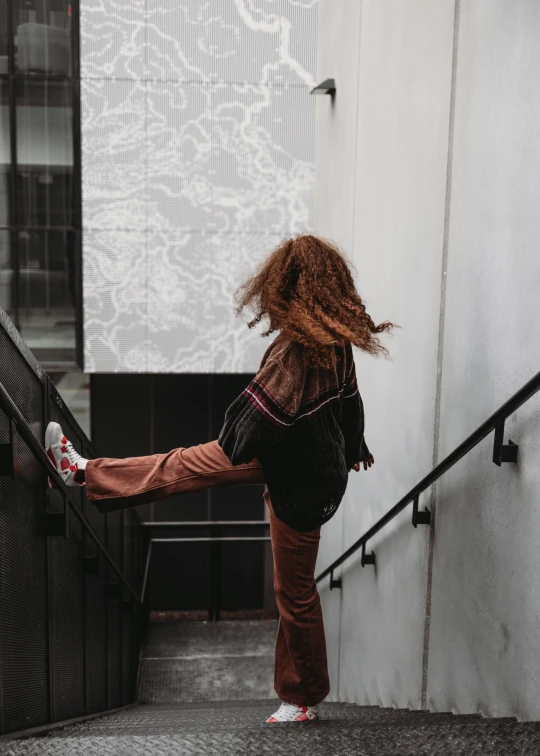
x=334, y=210
x=425, y=174
x=485, y=633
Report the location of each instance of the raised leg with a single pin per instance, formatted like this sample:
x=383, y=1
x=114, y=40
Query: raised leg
x=118, y=483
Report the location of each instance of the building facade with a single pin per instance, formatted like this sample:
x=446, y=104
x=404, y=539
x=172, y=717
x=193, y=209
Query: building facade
x=198, y=140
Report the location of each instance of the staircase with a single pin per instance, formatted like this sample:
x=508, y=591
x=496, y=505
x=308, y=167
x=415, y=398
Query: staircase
x=224, y=727
x=71, y=619
x=191, y=672
x=185, y=662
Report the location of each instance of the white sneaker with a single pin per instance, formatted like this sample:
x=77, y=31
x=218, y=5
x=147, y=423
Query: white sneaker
x=291, y=713
x=63, y=456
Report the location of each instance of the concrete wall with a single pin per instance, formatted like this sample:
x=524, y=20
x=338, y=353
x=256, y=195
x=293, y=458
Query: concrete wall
x=339, y=40
x=432, y=141
x=486, y=571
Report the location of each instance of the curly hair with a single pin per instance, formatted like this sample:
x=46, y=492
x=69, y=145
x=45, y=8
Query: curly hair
x=306, y=288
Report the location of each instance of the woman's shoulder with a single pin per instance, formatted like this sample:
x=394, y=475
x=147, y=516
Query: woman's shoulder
x=282, y=346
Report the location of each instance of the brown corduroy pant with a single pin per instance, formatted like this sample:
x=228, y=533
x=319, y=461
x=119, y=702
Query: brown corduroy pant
x=301, y=671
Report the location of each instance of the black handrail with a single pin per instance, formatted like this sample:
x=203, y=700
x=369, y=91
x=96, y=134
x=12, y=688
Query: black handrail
x=205, y=524
x=495, y=422
x=26, y=433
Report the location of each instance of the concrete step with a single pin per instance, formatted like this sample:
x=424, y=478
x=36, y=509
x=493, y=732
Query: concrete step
x=207, y=661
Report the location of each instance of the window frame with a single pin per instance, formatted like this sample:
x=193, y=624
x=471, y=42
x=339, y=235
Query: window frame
x=10, y=81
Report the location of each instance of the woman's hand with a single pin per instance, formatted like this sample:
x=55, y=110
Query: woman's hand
x=367, y=463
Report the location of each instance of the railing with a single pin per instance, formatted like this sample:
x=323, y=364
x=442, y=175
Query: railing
x=70, y=624
x=501, y=453
x=57, y=523
x=214, y=540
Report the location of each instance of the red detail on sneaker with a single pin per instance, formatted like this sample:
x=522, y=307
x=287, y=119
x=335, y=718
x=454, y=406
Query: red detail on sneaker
x=272, y=719
x=63, y=449
x=304, y=709
x=73, y=468
x=64, y=464
x=302, y=717
x=51, y=457
x=64, y=440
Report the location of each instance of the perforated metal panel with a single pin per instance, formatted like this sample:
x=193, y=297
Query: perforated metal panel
x=23, y=594
x=114, y=650
x=96, y=640
x=57, y=660
x=127, y=655
x=68, y=625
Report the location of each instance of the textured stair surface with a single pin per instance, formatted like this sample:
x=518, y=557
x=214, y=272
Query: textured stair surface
x=187, y=668
x=226, y=728
x=207, y=661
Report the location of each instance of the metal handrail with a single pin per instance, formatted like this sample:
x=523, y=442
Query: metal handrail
x=205, y=523
x=26, y=433
x=501, y=453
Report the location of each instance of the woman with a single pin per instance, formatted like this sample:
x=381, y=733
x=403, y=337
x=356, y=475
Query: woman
x=298, y=427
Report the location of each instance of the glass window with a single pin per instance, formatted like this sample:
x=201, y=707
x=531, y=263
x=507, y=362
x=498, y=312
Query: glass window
x=4, y=45
x=5, y=153
x=39, y=212
x=48, y=293
x=6, y=274
x=42, y=34
x=44, y=117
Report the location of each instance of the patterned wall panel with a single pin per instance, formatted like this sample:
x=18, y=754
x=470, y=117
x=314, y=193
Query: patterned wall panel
x=198, y=139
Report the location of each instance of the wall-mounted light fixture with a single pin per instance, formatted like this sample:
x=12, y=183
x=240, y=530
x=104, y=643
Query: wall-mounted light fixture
x=328, y=86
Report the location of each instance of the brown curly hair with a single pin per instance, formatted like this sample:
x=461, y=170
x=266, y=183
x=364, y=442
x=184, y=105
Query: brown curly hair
x=305, y=288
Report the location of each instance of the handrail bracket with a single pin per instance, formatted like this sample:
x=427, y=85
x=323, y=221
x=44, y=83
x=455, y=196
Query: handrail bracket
x=57, y=523
x=503, y=452
x=367, y=558
x=335, y=582
x=420, y=518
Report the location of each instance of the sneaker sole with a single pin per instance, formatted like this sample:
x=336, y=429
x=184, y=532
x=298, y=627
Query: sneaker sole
x=297, y=722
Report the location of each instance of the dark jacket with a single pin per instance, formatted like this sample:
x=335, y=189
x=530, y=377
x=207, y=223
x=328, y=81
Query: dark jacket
x=305, y=425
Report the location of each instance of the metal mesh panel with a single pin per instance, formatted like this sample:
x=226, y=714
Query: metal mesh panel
x=115, y=631
x=61, y=639
x=114, y=537
x=22, y=384
x=114, y=644
x=23, y=591
x=96, y=640
x=127, y=656
x=68, y=626
x=127, y=546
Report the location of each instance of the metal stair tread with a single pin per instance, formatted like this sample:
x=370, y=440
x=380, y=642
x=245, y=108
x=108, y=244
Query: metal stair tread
x=508, y=739
x=235, y=728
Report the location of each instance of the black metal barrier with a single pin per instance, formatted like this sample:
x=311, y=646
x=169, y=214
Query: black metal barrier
x=213, y=541
x=70, y=577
